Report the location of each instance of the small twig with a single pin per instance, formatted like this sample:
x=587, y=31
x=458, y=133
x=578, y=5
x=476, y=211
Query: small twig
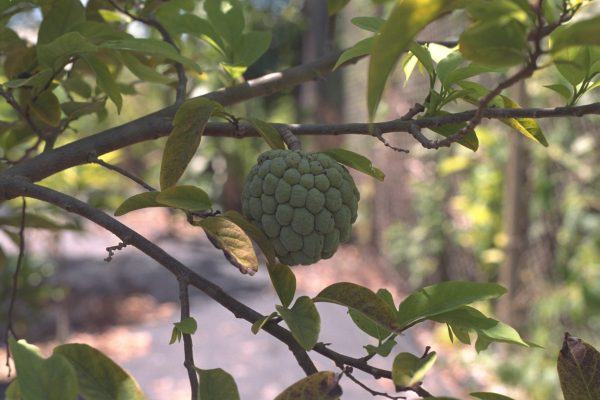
x=188, y=347
x=348, y=372
x=15, y=283
x=111, y=250
x=413, y=111
x=93, y=159
x=292, y=141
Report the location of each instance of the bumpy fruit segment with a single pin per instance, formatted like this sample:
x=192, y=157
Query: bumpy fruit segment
x=305, y=203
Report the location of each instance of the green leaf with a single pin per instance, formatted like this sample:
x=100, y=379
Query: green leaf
x=259, y=323
x=138, y=201
x=187, y=326
x=228, y=23
x=499, y=42
x=573, y=64
x=268, y=132
x=581, y=33
x=470, y=141
x=150, y=46
x=186, y=197
x=233, y=241
x=56, y=53
x=62, y=17
x=318, y=386
x=384, y=349
x=143, y=71
x=99, y=377
x=255, y=234
x=469, y=71
x=356, y=161
x=191, y=24
x=46, y=108
x=443, y=297
x=13, y=391
x=284, y=282
x=252, y=46
x=448, y=65
x=37, y=81
x=528, y=127
x=563, y=90
x=303, y=320
x=490, y=396
x=422, y=54
x=412, y=16
x=578, y=369
x=216, y=384
x=408, y=369
x=183, y=141
x=76, y=109
x=360, y=49
x=371, y=24
x=104, y=79
x=370, y=327
x=335, y=6
x=363, y=300
x=52, y=379
x=488, y=330
x=175, y=335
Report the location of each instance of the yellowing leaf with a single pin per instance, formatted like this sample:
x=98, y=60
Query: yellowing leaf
x=528, y=127
x=318, y=386
x=233, y=241
x=183, y=141
x=409, y=369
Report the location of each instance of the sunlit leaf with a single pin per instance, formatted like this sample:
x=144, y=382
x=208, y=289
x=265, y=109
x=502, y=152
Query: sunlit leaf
x=563, y=90
x=578, y=369
x=581, y=33
x=360, y=299
x=409, y=369
x=318, y=386
x=443, y=297
x=216, y=384
x=187, y=326
x=233, y=241
x=356, y=161
x=99, y=377
x=412, y=16
x=528, y=127
x=183, y=141
x=303, y=320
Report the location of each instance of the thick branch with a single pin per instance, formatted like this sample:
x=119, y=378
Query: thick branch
x=17, y=186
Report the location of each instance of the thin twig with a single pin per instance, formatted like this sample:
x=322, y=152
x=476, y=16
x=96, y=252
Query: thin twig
x=125, y=173
x=111, y=250
x=348, y=372
x=188, y=346
x=15, y=284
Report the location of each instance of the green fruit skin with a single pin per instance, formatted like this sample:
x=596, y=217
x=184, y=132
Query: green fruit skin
x=305, y=203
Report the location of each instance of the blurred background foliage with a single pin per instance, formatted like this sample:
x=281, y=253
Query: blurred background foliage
x=440, y=215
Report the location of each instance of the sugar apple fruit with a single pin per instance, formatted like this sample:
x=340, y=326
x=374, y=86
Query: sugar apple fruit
x=305, y=203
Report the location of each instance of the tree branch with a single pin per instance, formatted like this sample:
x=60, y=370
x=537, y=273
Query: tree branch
x=188, y=347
